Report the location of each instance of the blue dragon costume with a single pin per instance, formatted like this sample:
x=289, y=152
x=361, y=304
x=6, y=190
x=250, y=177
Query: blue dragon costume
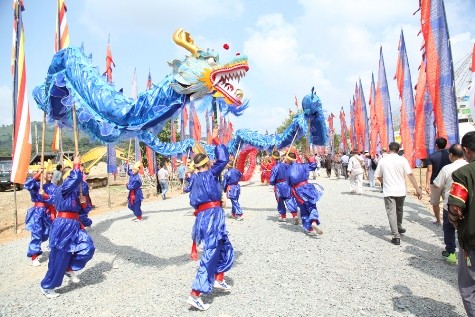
x=106, y=115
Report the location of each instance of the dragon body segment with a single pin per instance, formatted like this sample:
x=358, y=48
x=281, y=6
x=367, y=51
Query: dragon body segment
x=108, y=116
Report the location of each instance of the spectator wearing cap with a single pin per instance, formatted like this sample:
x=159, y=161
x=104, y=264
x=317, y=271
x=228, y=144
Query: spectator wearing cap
x=134, y=185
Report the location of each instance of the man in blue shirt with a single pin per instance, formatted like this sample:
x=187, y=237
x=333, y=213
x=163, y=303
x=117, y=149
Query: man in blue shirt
x=181, y=171
x=435, y=162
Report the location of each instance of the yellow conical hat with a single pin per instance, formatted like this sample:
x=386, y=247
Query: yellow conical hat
x=49, y=166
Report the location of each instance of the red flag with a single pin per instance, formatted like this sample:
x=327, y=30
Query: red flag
x=21, y=149
x=109, y=63
x=196, y=126
x=55, y=145
x=62, y=30
x=296, y=102
x=151, y=160
x=343, y=130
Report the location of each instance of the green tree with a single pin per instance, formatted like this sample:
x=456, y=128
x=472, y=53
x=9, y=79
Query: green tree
x=300, y=144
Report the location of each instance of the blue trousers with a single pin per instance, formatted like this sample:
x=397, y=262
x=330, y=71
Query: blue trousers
x=236, y=207
x=213, y=261
x=449, y=233
x=59, y=261
x=308, y=213
x=38, y=223
x=290, y=203
x=136, y=207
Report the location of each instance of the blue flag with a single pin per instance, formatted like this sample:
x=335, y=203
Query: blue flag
x=111, y=159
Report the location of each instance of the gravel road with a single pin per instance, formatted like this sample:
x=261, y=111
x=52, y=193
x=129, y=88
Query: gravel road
x=142, y=269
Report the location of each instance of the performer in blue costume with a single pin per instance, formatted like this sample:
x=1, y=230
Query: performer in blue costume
x=282, y=189
x=210, y=227
x=186, y=189
x=305, y=194
x=135, y=197
x=232, y=189
x=71, y=246
x=39, y=217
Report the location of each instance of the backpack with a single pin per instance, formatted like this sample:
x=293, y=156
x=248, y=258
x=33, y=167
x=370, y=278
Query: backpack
x=373, y=165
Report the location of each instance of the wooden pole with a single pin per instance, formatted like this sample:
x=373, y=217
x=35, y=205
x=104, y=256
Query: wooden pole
x=15, y=100
x=128, y=162
x=76, y=145
x=290, y=146
x=42, y=159
x=237, y=154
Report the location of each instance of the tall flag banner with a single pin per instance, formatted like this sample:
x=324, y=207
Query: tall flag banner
x=352, y=124
x=383, y=106
x=62, y=30
x=358, y=121
x=296, y=102
x=404, y=86
x=55, y=145
x=149, y=153
x=134, y=92
x=230, y=131
x=196, y=124
x=364, y=119
x=109, y=62
x=439, y=69
x=111, y=154
x=21, y=149
x=208, y=129
x=184, y=122
x=374, y=126
x=151, y=160
x=472, y=91
x=61, y=41
x=111, y=159
x=424, y=136
x=343, y=131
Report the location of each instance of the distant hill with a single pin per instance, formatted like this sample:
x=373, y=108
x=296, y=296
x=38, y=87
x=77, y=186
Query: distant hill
x=67, y=135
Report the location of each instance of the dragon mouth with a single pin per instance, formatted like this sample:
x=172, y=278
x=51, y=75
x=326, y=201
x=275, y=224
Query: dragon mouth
x=226, y=81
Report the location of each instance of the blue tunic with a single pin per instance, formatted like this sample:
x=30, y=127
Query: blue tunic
x=282, y=189
x=232, y=189
x=210, y=227
x=305, y=193
x=37, y=219
x=135, y=193
x=71, y=246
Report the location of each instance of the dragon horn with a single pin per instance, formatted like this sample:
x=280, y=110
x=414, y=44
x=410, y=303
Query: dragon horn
x=184, y=39
x=198, y=148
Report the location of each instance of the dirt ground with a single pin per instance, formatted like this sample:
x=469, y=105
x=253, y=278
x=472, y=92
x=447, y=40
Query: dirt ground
x=99, y=198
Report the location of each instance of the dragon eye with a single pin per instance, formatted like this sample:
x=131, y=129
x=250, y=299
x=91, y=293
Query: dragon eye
x=211, y=61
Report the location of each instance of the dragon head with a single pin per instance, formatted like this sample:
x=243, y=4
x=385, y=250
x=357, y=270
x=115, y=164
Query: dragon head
x=311, y=104
x=201, y=73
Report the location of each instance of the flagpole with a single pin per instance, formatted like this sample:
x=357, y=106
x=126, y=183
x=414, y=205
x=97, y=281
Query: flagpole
x=42, y=159
x=15, y=101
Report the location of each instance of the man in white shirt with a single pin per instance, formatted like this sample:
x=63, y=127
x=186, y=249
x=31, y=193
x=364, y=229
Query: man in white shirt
x=391, y=171
x=163, y=179
x=344, y=164
x=356, y=170
x=444, y=181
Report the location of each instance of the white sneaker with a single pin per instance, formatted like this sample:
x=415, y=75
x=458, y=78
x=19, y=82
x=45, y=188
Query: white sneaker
x=35, y=262
x=316, y=228
x=137, y=220
x=197, y=303
x=72, y=277
x=282, y=219
x=239, y=218
x=222, y=285
x=49, y=293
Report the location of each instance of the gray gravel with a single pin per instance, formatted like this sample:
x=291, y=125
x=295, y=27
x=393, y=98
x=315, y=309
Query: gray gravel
x=142, y=269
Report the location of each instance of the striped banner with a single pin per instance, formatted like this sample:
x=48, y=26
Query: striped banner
x=343, y=131
x=352, y=125
x=404, y=86
x=383, y=106
x=374, y=125
x=21, y=150
x=439, y=69
x=472, y=92
x=364, y=119
x=62, y=30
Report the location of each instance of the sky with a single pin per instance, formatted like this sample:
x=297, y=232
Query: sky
x=292, y=46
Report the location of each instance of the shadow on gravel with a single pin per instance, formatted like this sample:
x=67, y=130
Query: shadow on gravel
x=414, y=215
x=259, y=209
x=420, y=306
x=90, y=276
x=130, y=253
x=286, y=225
x=208, y=298
x=426, y=257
